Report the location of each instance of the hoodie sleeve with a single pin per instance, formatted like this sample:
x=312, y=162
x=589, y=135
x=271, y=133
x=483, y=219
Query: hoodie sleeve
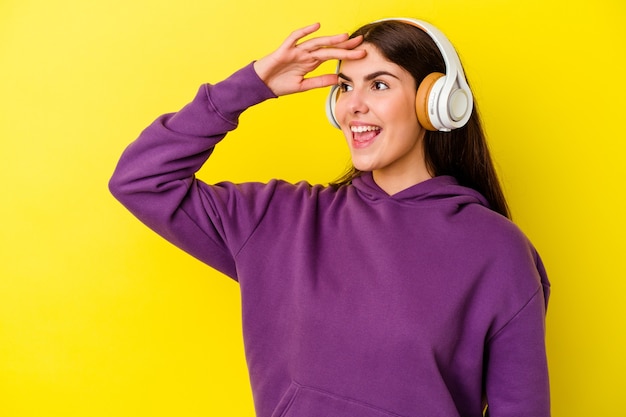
x=155, y=176
x=517, y=383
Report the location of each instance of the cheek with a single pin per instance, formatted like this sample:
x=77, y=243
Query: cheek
x=407, y=116
x=409, y=109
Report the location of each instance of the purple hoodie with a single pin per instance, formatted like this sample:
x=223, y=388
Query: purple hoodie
x=355, y=303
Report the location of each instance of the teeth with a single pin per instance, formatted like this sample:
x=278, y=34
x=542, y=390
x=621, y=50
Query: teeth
x=361, y=129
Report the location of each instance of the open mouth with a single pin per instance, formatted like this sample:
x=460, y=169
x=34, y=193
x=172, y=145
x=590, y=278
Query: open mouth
x=362, y=136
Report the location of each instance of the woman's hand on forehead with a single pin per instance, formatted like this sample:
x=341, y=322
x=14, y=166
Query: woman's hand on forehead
x=284, y=70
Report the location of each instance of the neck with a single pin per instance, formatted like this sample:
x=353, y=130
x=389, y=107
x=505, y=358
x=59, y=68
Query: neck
x=393, y=183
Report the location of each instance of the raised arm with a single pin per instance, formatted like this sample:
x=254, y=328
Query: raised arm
x=155, y=176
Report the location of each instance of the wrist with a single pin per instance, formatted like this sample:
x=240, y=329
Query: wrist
x=261, y=69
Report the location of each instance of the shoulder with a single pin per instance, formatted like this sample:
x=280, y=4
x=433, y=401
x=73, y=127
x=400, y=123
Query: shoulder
x=511, y=270
x=507, y=252
x=494, y=231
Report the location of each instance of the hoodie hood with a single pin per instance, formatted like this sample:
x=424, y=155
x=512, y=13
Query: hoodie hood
x=443, y=187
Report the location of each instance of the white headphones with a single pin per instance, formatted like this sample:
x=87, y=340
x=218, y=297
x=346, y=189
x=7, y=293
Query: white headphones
x=443, y=101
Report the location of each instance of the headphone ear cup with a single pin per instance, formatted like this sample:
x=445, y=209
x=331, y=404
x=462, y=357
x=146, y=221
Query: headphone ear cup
x=331, y=101
x=425, y=102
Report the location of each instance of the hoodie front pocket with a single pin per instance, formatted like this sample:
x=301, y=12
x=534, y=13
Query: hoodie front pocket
x=303, y=401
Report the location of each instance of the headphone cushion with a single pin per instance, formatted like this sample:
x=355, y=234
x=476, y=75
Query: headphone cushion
x=331, y=101
x=422, y=100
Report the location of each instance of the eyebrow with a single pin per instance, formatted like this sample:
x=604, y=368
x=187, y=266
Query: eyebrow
x=369, y=77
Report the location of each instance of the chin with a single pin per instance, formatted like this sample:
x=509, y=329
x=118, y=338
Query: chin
x=364, y=160
x=363, y=167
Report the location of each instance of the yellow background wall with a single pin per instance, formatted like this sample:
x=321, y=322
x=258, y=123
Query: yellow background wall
x=99, y=317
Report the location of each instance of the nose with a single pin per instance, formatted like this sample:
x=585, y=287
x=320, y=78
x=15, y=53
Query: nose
x=352, y=102
x=357, y=103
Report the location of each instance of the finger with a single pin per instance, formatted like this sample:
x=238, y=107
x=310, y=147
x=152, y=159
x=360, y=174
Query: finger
x=323, y=42
x=319, y=81
x=298, y=34
x=350, y=43
x=326, y=54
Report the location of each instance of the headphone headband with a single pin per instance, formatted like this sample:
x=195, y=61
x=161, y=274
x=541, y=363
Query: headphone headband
x=444, y=102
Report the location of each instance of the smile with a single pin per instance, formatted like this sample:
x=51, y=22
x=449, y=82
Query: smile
x=361, y=129
x=364, y=135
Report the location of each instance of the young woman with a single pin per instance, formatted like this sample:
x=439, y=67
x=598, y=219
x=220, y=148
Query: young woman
x=402, y=290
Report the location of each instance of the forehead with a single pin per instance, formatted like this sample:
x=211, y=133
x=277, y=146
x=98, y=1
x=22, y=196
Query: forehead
x=372, y=62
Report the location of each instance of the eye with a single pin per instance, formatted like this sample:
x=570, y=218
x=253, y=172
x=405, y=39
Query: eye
x=379, y=85
x=344, y=87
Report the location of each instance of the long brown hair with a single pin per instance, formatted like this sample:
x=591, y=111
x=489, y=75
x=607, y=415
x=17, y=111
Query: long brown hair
x=462, y=153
